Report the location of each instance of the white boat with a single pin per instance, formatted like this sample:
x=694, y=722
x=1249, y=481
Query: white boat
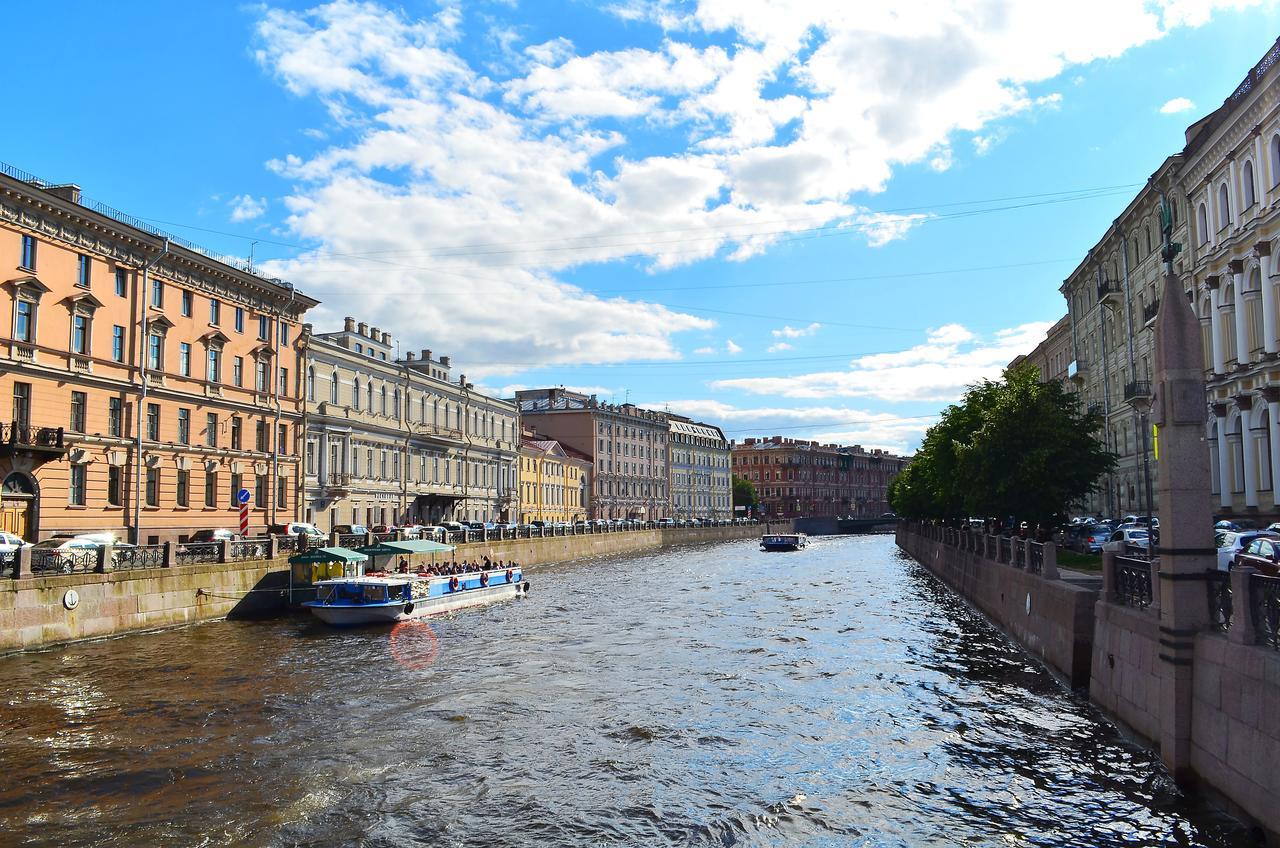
x=376, y=598
x=783, y=541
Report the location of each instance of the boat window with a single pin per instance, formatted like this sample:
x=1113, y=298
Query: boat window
x=375, y=593
x=324, y=594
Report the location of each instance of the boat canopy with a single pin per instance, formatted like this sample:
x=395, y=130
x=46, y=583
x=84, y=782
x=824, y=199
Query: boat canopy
x=329, y=555
x=408, y=546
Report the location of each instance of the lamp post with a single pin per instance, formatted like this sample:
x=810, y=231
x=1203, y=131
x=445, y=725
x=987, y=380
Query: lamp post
x=1138, y=395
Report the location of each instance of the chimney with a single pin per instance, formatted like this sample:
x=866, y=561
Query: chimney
x=462, y=379
x=363, y=328
x=444, y=360
x=374, y=334
x=386, y=339
x=426, y=355
x=409, y=356
x=348, y=325
x=67, y=191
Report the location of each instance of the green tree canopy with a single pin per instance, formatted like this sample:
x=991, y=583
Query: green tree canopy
x=744, y=494
x=1014, y=447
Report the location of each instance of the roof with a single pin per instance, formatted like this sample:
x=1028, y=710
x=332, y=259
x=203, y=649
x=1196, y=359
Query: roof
x=408, y=546
x=690, y=428
x=329, y=555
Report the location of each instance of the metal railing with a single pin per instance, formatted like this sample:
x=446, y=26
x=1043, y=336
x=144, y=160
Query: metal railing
x=1218, y=588
x=1019, y=553
x=8, y=561
x=1264, y=598
x=384, y=537
x=1136, y=389
x=137, y=556
x=1035, y=558
x=1106, y=288
x=351, y=540
x=76, y=561
x=193, y=553
x=286, y=544
x=18, y=433
x=1133, y=582
x=1150, y=311
x=1006, y=549
x=248, y=549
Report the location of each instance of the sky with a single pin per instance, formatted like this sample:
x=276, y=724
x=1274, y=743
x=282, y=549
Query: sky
x=817, y=220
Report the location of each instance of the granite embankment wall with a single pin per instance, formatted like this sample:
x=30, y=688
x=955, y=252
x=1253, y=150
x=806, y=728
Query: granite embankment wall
x=36, y=611
x=1052, y=618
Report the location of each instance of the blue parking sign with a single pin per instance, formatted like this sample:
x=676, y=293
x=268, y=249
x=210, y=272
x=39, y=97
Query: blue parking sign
x=242, y=496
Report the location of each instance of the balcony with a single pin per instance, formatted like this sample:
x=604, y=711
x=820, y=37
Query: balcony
x=338, y=485
x=1149, y=312
x=42, y=443
x=1077, y=371
x=1137, y=390
x=1095, y=408
x=1109, y=293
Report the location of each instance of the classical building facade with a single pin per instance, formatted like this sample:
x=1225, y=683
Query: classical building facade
x=398, y=440
x=795, y=478
x=701, y=482
x=1052, y=356
x=148, y=381
x=627, y=446
x=555, y=481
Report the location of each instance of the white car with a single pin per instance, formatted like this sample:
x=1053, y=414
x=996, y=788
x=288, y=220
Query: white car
x=10, y=542
x=1231, y=542
x=1126, y=539
x=432, y=533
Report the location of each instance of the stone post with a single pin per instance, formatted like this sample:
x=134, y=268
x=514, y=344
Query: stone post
x=1154, y=565
x=170, y=555
x=333, y=539
x=273, y=547
x=1049, y=566
x=368, y=538
x=1108, y=575
x=1186, y=547
x=1242, y=631
x=224, y=551
x=399, y=534
x=104, y=558
x=22, y=563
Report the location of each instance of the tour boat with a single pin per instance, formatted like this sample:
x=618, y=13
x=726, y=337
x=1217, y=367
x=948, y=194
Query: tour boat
x=379, y=598
x=783, y=541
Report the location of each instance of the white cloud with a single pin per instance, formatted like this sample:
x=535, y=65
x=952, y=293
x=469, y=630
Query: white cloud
x=1177, y=104
x=789, y=332
x=779, y=346
x=731, y=347
x=704, y=351
x=939, y=369
x=244, y=207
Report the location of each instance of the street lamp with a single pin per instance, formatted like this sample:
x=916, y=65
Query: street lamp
x=1138, y=396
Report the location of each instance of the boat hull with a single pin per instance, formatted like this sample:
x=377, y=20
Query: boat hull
x=342, y=615
x=783, y=542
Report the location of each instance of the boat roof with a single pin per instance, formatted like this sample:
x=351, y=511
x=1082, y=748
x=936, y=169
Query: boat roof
x=408, y=546
x=329, y=555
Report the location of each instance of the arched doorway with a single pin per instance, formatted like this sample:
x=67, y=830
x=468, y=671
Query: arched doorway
x=18, y=505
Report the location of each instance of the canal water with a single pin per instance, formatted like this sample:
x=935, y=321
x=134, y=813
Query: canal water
x=709, y=695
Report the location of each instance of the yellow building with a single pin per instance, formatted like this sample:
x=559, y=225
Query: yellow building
x=554, y=481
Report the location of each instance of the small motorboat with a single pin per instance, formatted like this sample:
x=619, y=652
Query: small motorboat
x=783, y=541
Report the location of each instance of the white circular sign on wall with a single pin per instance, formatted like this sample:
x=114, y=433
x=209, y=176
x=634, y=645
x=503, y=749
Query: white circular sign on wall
x=1028, y=603
x=71, y=600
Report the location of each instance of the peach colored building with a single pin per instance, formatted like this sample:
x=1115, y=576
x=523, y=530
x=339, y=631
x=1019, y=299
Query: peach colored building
x=138, y=408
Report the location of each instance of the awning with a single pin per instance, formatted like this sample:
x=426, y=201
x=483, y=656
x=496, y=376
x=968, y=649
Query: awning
x=408, y=546
x=329, y=555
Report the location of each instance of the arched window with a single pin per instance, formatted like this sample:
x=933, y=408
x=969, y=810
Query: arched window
x=395, y=401
x=1224, y=206
x=384, y=400
x=1202, y=223
x=1246, y=180
x=1147, y=235
x=355, y=392
x=311, y=384
x=370, y=391
x=333, y=387
x=1275, y=158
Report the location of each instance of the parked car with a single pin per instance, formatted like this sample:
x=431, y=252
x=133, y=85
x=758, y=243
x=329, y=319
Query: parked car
x=10, y=542
x=1231, y=542
x=346, y=529
x=666, y=522
x=65, y=552
x=1088, y=538
x=1128, y=540
x=452, y=526
x=295, y=528
x=432, y=533
x=218, y=534
x=1262, y=553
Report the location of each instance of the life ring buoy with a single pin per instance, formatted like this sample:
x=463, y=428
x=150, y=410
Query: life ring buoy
x=484, y=579
x=453, y=584
x=510, y=576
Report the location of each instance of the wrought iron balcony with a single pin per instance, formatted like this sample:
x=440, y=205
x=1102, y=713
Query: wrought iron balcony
x=1109, y=292
x=338, y=482
x=1077, y=370
x=16, y=437
x=1150, y=311
x=1095, y=408
x=1137, y=390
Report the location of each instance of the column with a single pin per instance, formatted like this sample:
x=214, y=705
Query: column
x=1236, y=267
x=1272, y=396
x=1215, y=321
x=1224, y=457
x=1259, y=172
x=1263, y=251
x=1245, y=403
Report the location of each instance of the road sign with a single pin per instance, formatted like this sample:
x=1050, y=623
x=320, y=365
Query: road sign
x=242, y=496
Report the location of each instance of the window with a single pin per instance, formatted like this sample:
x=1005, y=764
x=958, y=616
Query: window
x=237, y=483
x=115, y=417
x=122, y=282
x=157, y=293
x=153, y=422
x=260, y=436
x=211, y=429
x=83, y=271
x=155, y=351
x=282, y=438
x=153, y=487
x=237, y=371
x=384, y=400
x=75, y=493
x=184, y=359
x=355, y=393
x=29, y=252
x=1246, y=180
x=284, y=382
x=80, y=334
x=114, y=485
x=1202, y=223
x=215, y=311
x=79, y=402
x=117, y=343
x=24, y=323
x=184, y=426
x=260, y=490
x=239, y=319
x=370, y=395
x=211, y=489
x=264, y=328
x=284, y=334
x=215, y=365
x=1224, y=207
x=282, y=492
x=261, y=373
x=235, y=435
x=311, y=384
x=333, y=388
x=186, y=303
x=184, y=488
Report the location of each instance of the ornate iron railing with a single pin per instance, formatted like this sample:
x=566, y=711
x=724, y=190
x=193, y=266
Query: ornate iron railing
x=139, y=556
x=1133, y=582
x=248, y=549
x=8, y=563
x=1006, y=549
x=1019, y=553
x=1264, y=597
x=1035, y=558
x=79, y=560
x=1136, y=389
x=1150, y=311
x=17, y=433
x=286, y=544
x=1218, y=589
x=193, y=553
x=384, y=537
x=351, y=540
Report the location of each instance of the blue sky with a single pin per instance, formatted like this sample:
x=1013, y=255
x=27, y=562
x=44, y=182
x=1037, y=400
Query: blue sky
x=821, y=220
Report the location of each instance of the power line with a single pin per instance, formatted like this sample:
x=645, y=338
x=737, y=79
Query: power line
x=884, y=420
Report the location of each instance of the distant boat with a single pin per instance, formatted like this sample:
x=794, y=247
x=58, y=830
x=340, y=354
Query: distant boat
x=783, y=541
x=377, y=598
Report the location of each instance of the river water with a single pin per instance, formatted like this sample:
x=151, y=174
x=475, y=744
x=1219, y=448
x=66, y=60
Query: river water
x=710, y=695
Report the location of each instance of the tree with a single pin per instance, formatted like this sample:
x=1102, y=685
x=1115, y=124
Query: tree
x=1017, y=447
x=744, y=494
